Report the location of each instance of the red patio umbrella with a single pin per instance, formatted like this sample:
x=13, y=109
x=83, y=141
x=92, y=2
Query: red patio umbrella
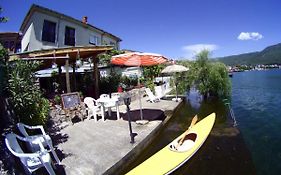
x=138, y=59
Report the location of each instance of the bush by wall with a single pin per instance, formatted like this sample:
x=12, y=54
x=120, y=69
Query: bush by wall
x=3, y=69
x=25, y=95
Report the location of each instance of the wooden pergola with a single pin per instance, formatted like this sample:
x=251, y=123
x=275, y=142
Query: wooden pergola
x=65, y=57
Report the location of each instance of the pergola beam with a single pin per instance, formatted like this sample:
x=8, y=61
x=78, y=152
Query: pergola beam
x=59, y=55
x=44, y=58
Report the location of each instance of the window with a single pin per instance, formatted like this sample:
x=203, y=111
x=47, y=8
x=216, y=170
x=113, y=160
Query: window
x=49, y=31
x=18, y=47
x=112, y=44
x=6, y=44
x=94, y=40
x=69, y=36
x=12, y=45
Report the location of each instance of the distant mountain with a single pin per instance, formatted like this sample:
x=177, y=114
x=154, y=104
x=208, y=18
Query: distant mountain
x=270, y=55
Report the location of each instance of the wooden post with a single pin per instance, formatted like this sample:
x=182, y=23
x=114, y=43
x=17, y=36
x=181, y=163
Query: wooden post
x=67, y=75
x=96, y=76
x=74, y=77
x=74, y=88
x=61, y=87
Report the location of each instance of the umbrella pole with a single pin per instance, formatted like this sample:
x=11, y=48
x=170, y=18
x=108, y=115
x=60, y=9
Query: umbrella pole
x=140, y=105
x=141, y=114
x=176, y=92
x=176, y=84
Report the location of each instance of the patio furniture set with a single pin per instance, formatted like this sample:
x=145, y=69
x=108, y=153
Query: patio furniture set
x=93, y=108
x=101, y=105
x=72, y=107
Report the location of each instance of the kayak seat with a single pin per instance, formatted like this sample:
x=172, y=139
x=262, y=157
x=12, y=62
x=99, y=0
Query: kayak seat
x=188, y=143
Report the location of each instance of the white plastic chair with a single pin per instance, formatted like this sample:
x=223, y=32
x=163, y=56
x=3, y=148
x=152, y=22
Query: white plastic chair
x=151, y=96
x=43, y=138
x=93, y=108
x=159, y=91
x=31, y=161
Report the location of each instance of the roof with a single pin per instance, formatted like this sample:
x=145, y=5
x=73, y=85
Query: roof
x=72, y=53
x=35, y=7
x=10, y=34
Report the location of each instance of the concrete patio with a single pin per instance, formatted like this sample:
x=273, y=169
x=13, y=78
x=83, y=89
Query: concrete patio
x=90, y=147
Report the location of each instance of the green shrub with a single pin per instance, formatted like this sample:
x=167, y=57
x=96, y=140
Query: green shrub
x=129, y=81
x=57, y=99
x=150, y=84
x=179, y=78
x=151, y=72
x=110, y=83
x=25, y=95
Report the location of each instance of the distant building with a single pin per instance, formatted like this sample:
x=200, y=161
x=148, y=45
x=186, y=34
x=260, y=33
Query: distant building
x=43, y=28
x=11, y=41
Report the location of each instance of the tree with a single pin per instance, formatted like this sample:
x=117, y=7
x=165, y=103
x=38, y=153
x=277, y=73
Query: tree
x=105, y=58
x=219, y=82
x=2, y=18
x=202, y=70
x=210, y=78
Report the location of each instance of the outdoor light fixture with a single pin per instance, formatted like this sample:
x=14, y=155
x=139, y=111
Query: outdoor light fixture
x=54, y=65
x=78, y=63
x=127, y=102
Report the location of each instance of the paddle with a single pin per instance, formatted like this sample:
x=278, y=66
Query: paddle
x=194, y=120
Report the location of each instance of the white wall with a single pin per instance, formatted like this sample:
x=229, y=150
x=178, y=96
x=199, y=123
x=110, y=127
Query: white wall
x=26, y=38
x=32, y=34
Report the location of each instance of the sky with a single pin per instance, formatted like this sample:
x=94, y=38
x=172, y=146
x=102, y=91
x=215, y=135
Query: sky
x=175, y=28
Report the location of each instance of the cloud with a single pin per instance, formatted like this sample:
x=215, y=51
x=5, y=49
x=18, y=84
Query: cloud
x=192, y=50
x=250, y=36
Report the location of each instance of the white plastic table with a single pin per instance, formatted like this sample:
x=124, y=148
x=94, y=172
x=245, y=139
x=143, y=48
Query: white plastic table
x=109, y=103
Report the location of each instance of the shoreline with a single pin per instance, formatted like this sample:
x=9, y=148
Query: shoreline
x=224, y=151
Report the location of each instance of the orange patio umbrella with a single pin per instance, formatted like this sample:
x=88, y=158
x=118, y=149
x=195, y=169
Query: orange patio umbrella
x=138, y=59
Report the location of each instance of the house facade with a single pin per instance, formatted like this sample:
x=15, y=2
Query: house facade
x=11, y=41
x=43, y=28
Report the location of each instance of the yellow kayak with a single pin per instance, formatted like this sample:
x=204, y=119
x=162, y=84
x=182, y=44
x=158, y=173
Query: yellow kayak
x=173, y=156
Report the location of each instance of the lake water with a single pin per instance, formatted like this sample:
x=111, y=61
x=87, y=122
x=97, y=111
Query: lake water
x=256, y=101
x=255, y=149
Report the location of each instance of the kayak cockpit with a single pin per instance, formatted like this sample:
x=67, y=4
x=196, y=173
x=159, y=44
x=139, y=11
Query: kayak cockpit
x=188, y=143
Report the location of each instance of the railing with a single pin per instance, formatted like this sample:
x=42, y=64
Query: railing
x=231, y=112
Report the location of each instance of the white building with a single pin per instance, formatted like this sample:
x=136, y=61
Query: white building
x=43, y=28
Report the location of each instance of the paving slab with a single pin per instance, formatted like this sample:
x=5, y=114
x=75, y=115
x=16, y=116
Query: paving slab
x=91, y=147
